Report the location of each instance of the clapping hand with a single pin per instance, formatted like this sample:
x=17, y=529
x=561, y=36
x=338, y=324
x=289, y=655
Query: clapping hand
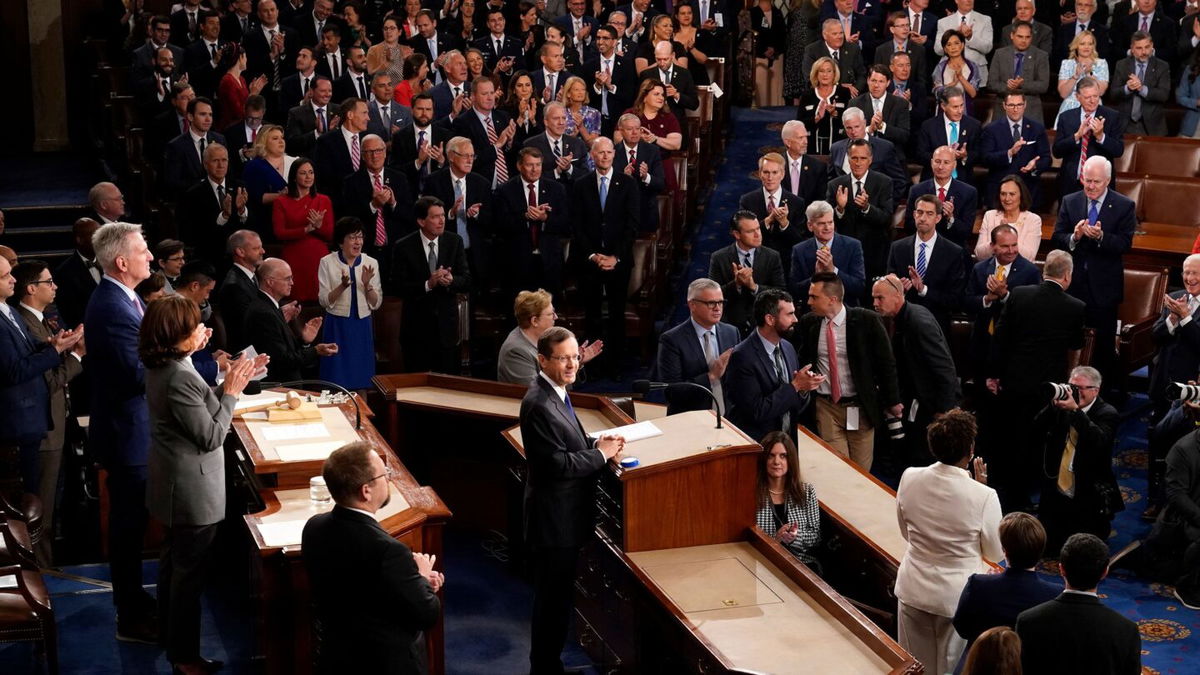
x=64, y=340
x=842, y=197
x=1178, y=308
x=824, y=260
x=804, y=380
x=1031, y=165
x=309, y=332
x=238, y=376
x=787, y=534
x=590, y=349
x=290, y=310
x=980, y=470
x=743, y=275
x=314, y=220
x=368, y=273
x=863, y=200
x=914, y=278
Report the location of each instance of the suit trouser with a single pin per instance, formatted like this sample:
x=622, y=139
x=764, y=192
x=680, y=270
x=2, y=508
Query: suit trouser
x=47, y=490
x=181, y=573
x=1064, y=516
x=858, y=445
x=930, y=638
x=1103, y=319
x=126, y=529
x=613, y=285
x=553, y=593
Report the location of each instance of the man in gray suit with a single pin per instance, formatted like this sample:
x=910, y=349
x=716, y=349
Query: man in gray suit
x=744, y=269
x=1020, y=68
x=385, y=115
x=1043, y=35
x=1141, y=84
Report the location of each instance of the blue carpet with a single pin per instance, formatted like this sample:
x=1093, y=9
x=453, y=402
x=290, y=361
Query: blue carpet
x=47, y=180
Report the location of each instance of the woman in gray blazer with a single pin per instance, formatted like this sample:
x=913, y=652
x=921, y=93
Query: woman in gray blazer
x=186, y=486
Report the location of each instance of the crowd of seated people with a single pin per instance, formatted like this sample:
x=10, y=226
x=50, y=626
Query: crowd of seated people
x=513, y=153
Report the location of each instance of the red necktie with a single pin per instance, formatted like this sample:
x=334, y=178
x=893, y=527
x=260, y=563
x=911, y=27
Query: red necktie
x=253, y=135
x=533, y=226
x=186, y=127
x=835, y=388
x=770, y=204
x=941, y=194
x=380, y=228
x=1083, y=145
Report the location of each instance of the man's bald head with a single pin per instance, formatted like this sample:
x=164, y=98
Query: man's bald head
x=272, y=267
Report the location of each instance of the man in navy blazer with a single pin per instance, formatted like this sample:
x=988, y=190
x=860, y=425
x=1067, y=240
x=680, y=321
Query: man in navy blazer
x=939, y=287
x=1177, y=334
x=491, y=161
x=643, y=162
x=471, y=219
x=553, y=68
x=610, y=78
x=958, y=201
x=333, y=155
x=530, y=231
x=119, y=432
x=778, y=210
x=24, y=361
x=1023, y=151
x=987, y=290
x=803, y=174
x=384, y=114
x=1096, y=225
x=885, y=159
x=697, y=350
x=862, y=202
x=1076, y=142
x=509, y=46
x=827, y=251
x=954, y=128
x=454, y=66
x=766, y=384
x=182, y=164
x=564, y=157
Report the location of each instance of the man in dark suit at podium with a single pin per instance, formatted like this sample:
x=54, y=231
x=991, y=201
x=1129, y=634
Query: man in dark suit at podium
x=767, y=386
x=697, y=350
x=564, y=463
x=372, y=595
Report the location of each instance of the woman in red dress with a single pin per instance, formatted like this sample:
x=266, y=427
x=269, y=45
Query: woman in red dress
x=232, y=90
x=659, y=126
x=303, y=221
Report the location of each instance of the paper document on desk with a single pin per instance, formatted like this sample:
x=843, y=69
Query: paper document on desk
x=307, y=452
x=295, y=432
x=632, y=432
x=249, y=401
x=287, y=533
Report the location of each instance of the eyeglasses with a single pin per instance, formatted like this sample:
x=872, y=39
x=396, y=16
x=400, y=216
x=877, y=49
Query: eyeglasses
x=357, y=236
x=388, y=472
x=890, y=282
x=44, y=281
x=286, y=280
x=1019, y=104
x=711, y=304
x=566, y=359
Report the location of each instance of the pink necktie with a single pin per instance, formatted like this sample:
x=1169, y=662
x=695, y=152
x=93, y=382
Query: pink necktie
x=355, y=152
x=380, y=229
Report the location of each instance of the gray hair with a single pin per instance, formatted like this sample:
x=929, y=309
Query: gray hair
x=212, y=149
x=1088, y=373
x=616, y=12
x=699, y=286
x=553, y=105
x=1059, y=265
x=852, y=113
x=239, y=239
x=99, y=193
x=1193, y=258
x=627, y=117
x=1097, y=160
x=790, y=127
x=371, y=137
x=111, y=241
x=828, y=23
x=455, y=144
x=817, y=209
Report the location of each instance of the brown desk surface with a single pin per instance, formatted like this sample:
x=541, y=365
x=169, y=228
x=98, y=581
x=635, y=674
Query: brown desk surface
x=683, y=435
x=281, y=528
x=753, y=614
x=857, y=498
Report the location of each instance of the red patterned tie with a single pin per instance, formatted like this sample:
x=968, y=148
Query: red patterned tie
x=941, y=194
x=380, y=228
x=501, y=165
x=355, y=152
x=1083, y=143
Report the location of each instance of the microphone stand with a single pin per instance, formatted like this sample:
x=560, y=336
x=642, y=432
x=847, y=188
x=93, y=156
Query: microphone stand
x=648, y=386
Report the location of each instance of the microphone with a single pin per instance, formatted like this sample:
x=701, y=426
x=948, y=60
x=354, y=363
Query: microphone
x=644, y=387
x=255, y=387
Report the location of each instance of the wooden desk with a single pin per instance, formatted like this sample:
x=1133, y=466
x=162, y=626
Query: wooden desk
x=415, y=516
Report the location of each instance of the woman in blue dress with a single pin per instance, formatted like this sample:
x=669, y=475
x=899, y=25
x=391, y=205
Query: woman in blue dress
x=349, y=290
x=266, y=177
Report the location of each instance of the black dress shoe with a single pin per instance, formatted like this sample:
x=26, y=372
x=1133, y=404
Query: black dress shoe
x=212, y=665
x=137, y=630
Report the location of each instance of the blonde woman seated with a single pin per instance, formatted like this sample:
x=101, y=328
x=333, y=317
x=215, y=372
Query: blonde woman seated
x=1015, y=203
x=787, y=506
x=535, y=313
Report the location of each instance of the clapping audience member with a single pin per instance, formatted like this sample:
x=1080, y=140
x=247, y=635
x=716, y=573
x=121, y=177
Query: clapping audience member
x=213, y=207
x=379, y=197
x=827, y=251
x=77, y=276
x=988, y=288
x=266, y=176
x=267, y=325
x=744, y=269
x=518, y=362
x=183, y=158
x=240, y=288
x=232, y=89
x=778, y=211
x=803, y=174
x=659, y=127
x=951, y=521
x=1084, y=132
x=957, y=200
x=643, y=162
x=929, y=266
x=862, y=206
x=822, y=103
x=787, y=506
x=532, y=217
x=1014, y=144
x=302, y=219
x=349, y=289
x=697, y=350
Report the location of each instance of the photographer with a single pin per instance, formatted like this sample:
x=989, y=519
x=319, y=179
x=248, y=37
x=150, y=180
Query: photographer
x=1079, y=492
x=1174, y=544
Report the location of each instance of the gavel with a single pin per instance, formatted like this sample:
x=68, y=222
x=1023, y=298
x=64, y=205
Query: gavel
x=292, y=401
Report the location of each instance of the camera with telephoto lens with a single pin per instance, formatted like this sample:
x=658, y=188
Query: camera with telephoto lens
x=1060, y=392
x=895, y=427
x=1187, y=393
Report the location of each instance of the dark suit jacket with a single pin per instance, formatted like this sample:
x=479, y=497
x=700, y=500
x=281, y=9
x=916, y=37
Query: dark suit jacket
x=681, y=359
x=404, y=152
x=1035, y=69
x=196, y=218
x=916, y=55
x=75, y=288
x=869, y=351
x=443, y=99
x=401, y=116
x=514, y=232
x=144, y=58
x=966, y=207
x=1065, y=33
x=571, y=145
x=479, y=191
x=1178, y=358
x=1099, y=270
x=238, y=138
x=739, y=302
x=563, y=466
x=331, y=159
x=511, y=47
x=990, y=600
x=306, y=28
x=258, y=55
x=291, y=91
x=265, y=329
x=682, y=79
x=813, y=178
x=369, y=598
x=538, y=76
x=1021, y=273
x=181, y=163
x=56, y=379
x=874, y=227
x=782, y=241
x=357, y=191
x=1076, y=633
x=648, y=190
x=933, y=135
x=896, y=116
x=302, y=127
x=179, y=28
x=847, y=258
x=445, y=42
x=624, y=77
x=346, y=87
x=238, y=291
x=1164, y=30
x=1068, y=149
x=1096, y=429
x=468, y=124
x=436, y=310
x=119, y=431
x=757, y=399
x=943, y=279
x=200, y=71
x=861, y=23
x=231, y=26
x=850, y=61
x=884, y=159
x=918, y=101
x=1038, y=326
x=998, y=139
x=1157, y=81
x=924, y=367
x=609, y=230
x=24, y=362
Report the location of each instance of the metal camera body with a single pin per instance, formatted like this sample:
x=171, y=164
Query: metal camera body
x=1061, y=392
x=1188, y=393
x=895, y=427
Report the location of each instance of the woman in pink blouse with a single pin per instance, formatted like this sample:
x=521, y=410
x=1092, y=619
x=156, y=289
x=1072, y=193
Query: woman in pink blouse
x=1014, y=210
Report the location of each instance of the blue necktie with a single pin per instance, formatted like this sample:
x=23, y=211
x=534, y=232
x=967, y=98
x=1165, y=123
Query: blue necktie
x=1017, y=67
x=1093, y=212
x=954, y=140
x=921, y=263
x=16, y=324
x=603, y=190
x=462, y=213
x=570, y=408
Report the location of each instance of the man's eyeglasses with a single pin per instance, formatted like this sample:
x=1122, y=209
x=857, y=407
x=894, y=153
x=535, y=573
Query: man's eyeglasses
x=388, y=472
x=43, y=281
x=711, y=304
x=566, y=359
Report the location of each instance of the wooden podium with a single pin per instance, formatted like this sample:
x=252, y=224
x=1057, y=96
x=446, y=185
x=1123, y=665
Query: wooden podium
x=415, y=516
x=678, y=578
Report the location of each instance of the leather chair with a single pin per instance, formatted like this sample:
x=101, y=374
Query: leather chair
x=1144, y=291
x=1174, y=201
x=1177, y=157
x=386, y=321
x=25, y=611
x=642, y=306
